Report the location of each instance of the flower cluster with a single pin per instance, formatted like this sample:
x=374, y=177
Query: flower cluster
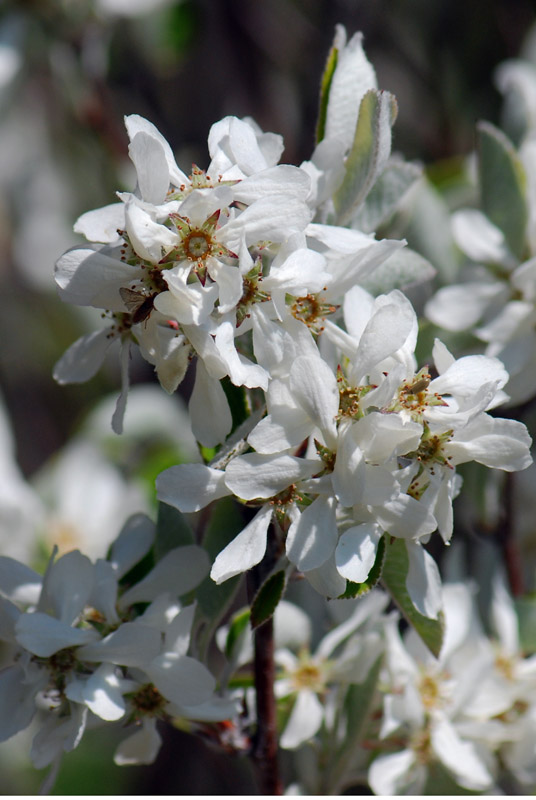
x=83, y=646
x=244, y=267
x=382, y=443
x=311, y=410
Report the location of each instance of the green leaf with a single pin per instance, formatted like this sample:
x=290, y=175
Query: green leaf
x=325, y=85
x=213, y=600
x=238, y=627
x=381, y=202
x=358, y=589
x=369, y=152
x=267, y=598
x=526, y=613
x=394, y=575
x=503, y=186
x=237, y=399
x=402, y=269
x=172, y=530
x=357, y=706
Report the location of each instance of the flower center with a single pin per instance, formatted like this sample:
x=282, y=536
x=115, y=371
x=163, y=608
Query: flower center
x=197, y=245
x=308, y=675
x=148, y=700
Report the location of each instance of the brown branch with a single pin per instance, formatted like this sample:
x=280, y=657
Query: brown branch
x=264, y=750
x=265, y=745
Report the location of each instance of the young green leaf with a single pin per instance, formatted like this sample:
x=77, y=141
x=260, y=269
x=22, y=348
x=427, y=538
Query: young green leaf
x=325, y=85
x=502, y=186
x=394, y=575
x=267, y=598
x=402, y=269
x=381, y=202
x=369, y=152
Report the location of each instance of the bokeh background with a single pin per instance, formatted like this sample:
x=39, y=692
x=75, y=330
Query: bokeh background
x=69, y=71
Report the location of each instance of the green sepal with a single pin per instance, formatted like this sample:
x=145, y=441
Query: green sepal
x=325, y=86
x=369, y=152
x=172, y=530
x=266, y=600
x=357, y=589
x=502, y=186
x=395, y=570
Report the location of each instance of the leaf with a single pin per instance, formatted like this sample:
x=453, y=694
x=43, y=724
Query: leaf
x=357, y=707
x=369, y=152
x=325, y=85
x=394, y=575
x=239, y=625
x=237, y=399
x=502, y=185
x=526, y=613
x=172, y=530
x=358, y=589
x=381, y=202
x=267, y=598
x=402, y=269
x=213, y=600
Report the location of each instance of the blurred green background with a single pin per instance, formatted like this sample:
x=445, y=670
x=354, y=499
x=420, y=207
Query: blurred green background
x=69, y=71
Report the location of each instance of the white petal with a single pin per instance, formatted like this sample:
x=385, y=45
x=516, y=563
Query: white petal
x=494, y=442
x=19, y=582
x=149, y=158
x=181, y=679
x=459, y=757
x=327, y=579
x=314, y=386
x=102, y=224
x=177, y=638
x=210, y=414
x=101, y=693
x=134, y=124
x=459, y=307
x=256, y=475
x=149, y=239
x=356, y=551
x=44, y=635
x=241, y=370
x=178, y=572
x=245, y=550
x=280, y=179
x=423, y=581
x=88, y=277
x=131, y=645
x=478, y=237
x=141, y=747
x=312, y=537
x=58, y=734
x=121, y=404
x=67, y=586
x=83, y=359
x=190, y=487
x=304, y=721
x=17, y=702
x=396, y=773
